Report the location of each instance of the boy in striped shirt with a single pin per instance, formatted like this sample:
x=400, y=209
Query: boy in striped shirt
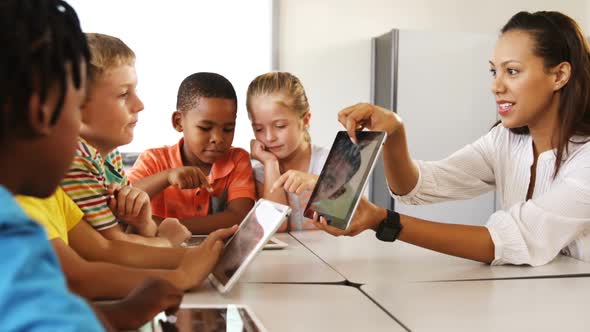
x=96, y=180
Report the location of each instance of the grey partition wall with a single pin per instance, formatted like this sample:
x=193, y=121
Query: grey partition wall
x=439, y=83
x=383, y=93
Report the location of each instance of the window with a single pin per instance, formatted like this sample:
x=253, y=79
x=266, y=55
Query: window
x=174, y=39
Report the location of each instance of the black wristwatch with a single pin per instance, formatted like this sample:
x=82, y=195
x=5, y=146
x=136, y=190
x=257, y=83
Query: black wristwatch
x=389, y=228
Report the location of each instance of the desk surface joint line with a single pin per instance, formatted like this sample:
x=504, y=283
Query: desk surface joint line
x=351, y=284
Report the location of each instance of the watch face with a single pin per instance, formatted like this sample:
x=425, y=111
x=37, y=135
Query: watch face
x=389, y=228
x=388, y=234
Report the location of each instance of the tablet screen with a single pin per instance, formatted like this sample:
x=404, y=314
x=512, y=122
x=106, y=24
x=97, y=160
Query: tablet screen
x=259, y=225
x=230, y=318
x=344, y=176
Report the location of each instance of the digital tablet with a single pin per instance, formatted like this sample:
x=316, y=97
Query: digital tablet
x=272, y=244
x=344, y=177
x=229, y=318
x=254, y=232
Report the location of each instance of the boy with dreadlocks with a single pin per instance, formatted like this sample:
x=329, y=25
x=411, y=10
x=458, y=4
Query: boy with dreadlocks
x=42, y=86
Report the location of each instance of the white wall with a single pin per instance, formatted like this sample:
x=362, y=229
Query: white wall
x=178, y=38
x=327, y=42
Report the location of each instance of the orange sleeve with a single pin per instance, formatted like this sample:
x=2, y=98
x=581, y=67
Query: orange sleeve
x=241, y=180
x=146, y=164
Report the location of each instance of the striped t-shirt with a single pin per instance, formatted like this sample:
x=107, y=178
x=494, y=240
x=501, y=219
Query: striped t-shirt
x=87, y=181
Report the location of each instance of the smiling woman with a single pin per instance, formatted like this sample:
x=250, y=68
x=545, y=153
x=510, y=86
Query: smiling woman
x=537, y=157
x=535, y=77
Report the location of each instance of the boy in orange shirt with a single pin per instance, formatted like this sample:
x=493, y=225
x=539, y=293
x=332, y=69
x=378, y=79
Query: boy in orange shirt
x=202, y=180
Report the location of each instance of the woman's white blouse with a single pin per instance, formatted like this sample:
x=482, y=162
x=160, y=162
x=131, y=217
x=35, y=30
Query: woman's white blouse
x=556, y=219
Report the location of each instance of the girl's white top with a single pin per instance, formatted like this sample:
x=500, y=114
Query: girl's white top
x=298, y=202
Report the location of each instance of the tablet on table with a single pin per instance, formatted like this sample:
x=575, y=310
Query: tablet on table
x=254, y=231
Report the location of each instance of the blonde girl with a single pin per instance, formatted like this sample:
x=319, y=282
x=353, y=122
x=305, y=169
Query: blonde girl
x=286, y=164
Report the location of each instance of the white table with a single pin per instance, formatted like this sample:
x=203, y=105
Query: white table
x=558, y=304
x=364, y=259
x=294, y=264
x=282, y=307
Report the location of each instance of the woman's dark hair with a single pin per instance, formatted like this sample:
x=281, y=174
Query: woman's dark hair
x=558, y=38
x=39, y=38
